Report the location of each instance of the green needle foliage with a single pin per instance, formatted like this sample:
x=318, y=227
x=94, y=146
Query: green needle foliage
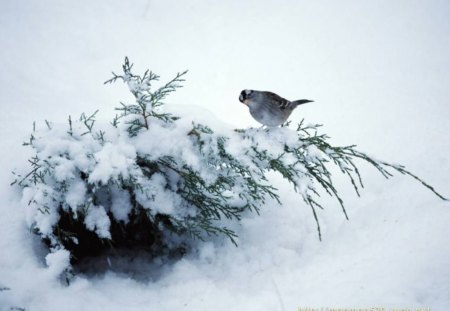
x=150, y=181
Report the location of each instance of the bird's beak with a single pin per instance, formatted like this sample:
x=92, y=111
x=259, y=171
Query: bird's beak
x=242, y=100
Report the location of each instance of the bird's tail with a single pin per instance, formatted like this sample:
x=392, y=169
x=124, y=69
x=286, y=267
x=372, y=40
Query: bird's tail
x=299, y=102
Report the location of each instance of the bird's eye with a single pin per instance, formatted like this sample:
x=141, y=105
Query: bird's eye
x=248, y=92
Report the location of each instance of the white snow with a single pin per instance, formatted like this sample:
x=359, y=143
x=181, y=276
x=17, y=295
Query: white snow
x=112, y=160
x=57, y=262
x=120, y=206
x=75, y=195
x=156, y=143
x=378, y=73
x=41, y=209
x=97, y=220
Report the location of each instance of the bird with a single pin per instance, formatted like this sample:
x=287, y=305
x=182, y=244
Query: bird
x=269, y=108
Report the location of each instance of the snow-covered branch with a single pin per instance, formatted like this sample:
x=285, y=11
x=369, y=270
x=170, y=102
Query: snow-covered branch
x=150, y=179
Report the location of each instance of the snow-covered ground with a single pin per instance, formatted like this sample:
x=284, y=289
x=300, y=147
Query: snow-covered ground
x=379, y=74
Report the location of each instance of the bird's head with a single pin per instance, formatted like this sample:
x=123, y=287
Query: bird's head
x=245, y=96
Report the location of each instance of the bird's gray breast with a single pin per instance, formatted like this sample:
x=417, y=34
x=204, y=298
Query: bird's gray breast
x=267, y=113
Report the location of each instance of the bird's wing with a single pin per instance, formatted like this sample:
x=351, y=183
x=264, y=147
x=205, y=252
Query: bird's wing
x=280, y=102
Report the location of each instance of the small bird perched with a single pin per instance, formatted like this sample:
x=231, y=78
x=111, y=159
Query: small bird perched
x=268, y=108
